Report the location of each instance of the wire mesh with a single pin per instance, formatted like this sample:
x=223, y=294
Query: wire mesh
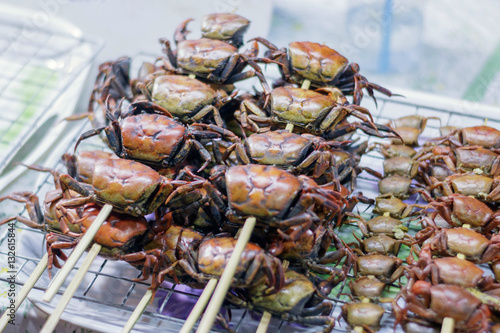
x=38, y=66
x=109, y=289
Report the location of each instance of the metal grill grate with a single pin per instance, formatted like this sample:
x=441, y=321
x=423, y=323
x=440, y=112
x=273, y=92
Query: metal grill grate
x=108, y=295
x=38, y=65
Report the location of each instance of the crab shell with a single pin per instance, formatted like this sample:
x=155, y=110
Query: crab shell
x=278, y=147
x=474, y=185
x=457, y=271
x=479, y=158
x=485, y=136
x=378, y=265
x=396, y=185
x=366, y=286
x=449, y=301
x=383, y=224
x=118, y=234
x=151, y=137
x=299, y=106
x=470, y=210
x=311, y=244
x=181, y=95
x=81, y=166
x=261, y=191
x=381, y=244
x=466, y=241
x=400, y=165
x=203, y=56
x=169, y=241
x=224, y=26
x=130, y=185
x=316, y=62
x=213, y=255
x=363, y=314
x=292, y=298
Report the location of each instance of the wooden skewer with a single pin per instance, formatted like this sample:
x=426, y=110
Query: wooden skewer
x=289, y=127
x=225, y=280
x=448, y=325
x=264, y=323
x=77, y=253
x=51, y=323
x=28, y=285
x=306, y=84
x=138, y=311
x=200, y=305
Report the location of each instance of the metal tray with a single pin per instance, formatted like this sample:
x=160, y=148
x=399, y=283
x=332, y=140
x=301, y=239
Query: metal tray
x=108, y=295
x=44, y=67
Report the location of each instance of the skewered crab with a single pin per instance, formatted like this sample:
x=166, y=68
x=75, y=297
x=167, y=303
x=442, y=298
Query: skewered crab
x=311, y=111
x=449, y=242
x=298, y=301
x=458, y=209
x=449, y=270
x=435, y=302
x=147, y=133
x=275, y=197
x=130, y=187
x=299, y=154
x=463, y=159
x=484, y=136
x=211, y=59
x=312, y=251
x=188, y=100
x=323, y=66
x=119, y=233
x=470, y=184
x=228, y=27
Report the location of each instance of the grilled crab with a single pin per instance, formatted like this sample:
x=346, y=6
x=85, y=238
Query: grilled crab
x=311, y=111
x=146, y=132
x=296, y=153
x=322, y=66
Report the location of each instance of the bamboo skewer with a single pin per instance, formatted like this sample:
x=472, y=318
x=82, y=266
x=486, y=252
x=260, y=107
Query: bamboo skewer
x=225, y=280
x=54, y=318
x=77, y=253
x=138, y=311
x=306, y=84
x=200, y=305
x=448, y=325
x=264, y=323
x=28, y=285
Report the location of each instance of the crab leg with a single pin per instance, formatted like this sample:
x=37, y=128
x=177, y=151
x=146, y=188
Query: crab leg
x=77, y=253
x=54, y=318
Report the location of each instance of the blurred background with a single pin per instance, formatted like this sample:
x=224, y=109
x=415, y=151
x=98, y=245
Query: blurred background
x=446, y=47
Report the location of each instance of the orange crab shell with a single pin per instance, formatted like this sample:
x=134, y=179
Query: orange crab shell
x=262, y=192
x=316, y=62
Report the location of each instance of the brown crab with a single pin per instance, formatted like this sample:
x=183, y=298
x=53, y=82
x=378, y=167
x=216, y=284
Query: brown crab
x=322, y=66
x=228, y=27
x=147, y=133
x=296, y=153
x=275, y=197
x=311, y=111
x=211, y=59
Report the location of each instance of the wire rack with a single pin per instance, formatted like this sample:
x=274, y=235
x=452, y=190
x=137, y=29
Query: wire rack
x=39, y=63
x=108, y=295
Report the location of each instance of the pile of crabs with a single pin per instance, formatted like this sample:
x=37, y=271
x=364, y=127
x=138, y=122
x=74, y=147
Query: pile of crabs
x=191, y=158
